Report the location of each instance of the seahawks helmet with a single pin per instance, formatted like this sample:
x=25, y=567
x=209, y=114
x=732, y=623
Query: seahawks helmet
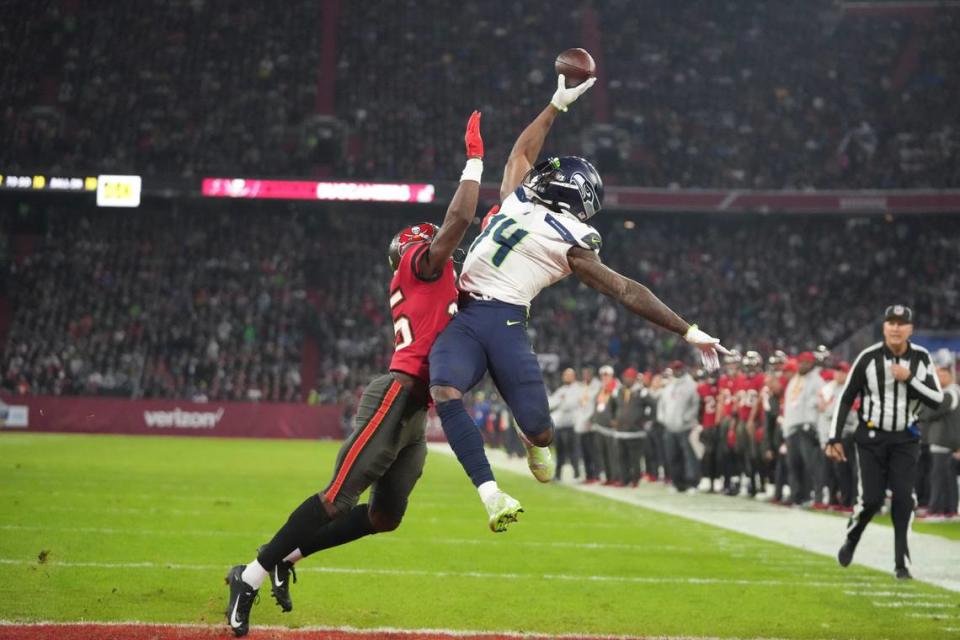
x=565, y=185
x=423, y=232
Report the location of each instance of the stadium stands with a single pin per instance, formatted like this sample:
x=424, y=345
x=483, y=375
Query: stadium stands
x=231, y=302
x=705, y=94
x=165, y=306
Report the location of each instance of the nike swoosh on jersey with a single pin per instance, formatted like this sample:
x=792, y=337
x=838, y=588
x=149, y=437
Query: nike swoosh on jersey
x=510, y=323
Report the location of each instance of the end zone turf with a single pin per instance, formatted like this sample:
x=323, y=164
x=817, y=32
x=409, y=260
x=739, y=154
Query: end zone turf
x=143, y=631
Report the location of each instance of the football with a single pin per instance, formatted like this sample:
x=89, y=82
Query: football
x=576, y=65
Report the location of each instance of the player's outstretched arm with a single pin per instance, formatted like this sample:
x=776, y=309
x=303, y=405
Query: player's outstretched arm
x=463, y=206
x=528, y=145
x=639, y=300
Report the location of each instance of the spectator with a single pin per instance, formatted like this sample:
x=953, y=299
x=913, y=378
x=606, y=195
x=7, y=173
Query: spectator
x=603, y=422
x=653, y=425
x=835, y=486
x=630, y=427
x=564, y=405
x=800, y=428
x=587, y=437
x=680, y=404
x=940, y=429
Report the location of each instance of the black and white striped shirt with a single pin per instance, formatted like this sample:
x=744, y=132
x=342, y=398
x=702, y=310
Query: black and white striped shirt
x=885, y=403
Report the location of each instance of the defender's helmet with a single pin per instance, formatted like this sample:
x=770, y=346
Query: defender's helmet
x=566, y=185
x=423, y=232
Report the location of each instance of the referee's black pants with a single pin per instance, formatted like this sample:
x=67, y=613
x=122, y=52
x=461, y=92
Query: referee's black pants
x=886, y=459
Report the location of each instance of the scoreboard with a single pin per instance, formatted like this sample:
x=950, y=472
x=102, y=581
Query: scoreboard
x=111, y=190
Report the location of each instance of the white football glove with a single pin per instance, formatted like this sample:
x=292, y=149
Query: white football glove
x=708, y=346
x=564, y=97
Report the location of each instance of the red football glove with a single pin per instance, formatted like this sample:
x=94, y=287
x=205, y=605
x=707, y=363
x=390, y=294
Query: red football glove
x=472, y=138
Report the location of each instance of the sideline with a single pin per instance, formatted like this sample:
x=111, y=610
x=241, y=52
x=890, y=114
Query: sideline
x=936, y=560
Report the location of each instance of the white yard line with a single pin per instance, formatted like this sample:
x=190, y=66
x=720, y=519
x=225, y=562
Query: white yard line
x=914, y=605
x=392, y=540
x=482, y=575
x=936, y=560
x=899, y=595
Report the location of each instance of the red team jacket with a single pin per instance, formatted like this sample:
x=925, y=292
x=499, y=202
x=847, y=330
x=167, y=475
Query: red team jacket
x=421, y=309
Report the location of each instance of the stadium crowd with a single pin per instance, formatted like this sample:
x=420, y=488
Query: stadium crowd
x=219, y=303
x=198, y=307
x=755, y=430
x=703, y=94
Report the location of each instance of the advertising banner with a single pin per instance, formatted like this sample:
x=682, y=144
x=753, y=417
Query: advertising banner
x=170, y=417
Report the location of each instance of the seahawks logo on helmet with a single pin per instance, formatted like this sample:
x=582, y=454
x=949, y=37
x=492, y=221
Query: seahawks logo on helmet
x=587, y=193
x=565, y=185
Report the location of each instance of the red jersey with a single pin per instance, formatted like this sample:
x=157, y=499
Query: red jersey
x=725, y=388
x=749, y=394
x=708, y=404
x=421, y=309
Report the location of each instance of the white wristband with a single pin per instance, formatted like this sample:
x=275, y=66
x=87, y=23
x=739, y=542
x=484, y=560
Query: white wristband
x=473, y=170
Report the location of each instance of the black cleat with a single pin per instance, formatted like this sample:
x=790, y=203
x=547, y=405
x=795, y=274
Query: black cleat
x=903, y=573
x=280, y=584
x=845, y=555
x=242, y=597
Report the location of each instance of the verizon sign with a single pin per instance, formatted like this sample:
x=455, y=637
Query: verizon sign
x=180, y=419
x=86, y=414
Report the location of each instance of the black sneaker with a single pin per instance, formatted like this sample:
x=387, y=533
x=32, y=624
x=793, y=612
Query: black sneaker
x=903, y=573
x=845, y=555
x=242, y=598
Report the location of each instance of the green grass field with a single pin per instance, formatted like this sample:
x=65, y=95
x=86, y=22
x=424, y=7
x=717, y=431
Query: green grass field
x=135, y=528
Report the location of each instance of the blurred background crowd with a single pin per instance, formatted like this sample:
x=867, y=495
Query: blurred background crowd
x=699, y=94
x=755, y=429
x=232, y=302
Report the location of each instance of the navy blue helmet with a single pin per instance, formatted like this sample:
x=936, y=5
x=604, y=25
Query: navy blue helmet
x=565, y=185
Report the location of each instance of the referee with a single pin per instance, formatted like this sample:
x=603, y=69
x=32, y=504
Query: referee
x=892, y=378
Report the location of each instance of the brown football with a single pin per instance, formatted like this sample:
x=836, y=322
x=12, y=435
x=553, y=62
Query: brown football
x=576, y=65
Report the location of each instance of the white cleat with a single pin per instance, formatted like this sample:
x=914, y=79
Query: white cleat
x=502, y=511
x=541, y=463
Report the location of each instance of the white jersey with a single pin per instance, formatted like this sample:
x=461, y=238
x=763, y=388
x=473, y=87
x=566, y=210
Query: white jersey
x=523, y=250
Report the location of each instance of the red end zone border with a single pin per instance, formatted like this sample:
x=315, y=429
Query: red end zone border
x=143, y=631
